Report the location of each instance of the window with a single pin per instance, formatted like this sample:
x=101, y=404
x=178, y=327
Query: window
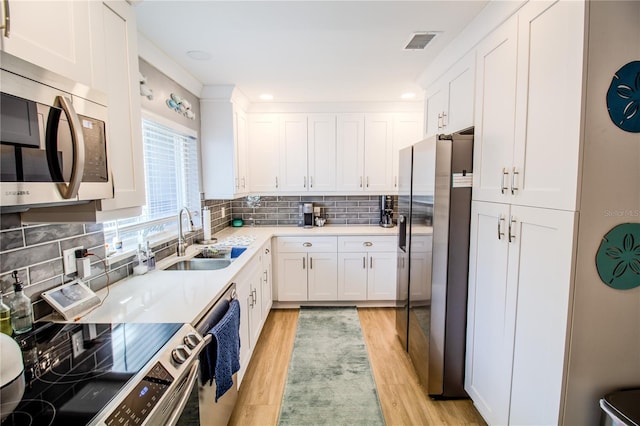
x=172, y=182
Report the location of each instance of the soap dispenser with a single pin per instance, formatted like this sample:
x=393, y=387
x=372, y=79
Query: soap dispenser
x=21, y=310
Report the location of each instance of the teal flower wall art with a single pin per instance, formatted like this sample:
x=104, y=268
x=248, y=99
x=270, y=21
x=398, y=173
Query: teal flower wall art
x=623, y=98
x=618, y=258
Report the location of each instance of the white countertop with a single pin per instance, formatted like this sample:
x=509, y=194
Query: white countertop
x=185, y=296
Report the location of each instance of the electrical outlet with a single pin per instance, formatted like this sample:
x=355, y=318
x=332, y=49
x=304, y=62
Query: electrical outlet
x=223, y=212
x=77, y=344
x=69, y=260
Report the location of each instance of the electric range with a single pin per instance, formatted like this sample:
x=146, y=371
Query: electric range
x=79, y=374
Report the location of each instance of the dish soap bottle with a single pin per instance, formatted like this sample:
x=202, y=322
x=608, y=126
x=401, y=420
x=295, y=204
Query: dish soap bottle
x=151, y=258
x=5, y=318
x=21, y=310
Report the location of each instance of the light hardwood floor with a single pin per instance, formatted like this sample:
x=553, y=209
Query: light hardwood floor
x=403, y=400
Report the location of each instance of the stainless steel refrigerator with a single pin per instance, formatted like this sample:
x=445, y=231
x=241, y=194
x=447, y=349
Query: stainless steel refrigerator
x=434, y=210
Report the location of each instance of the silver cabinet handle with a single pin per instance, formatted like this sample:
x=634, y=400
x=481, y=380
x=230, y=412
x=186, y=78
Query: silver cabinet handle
x=512, y=236
x=310, y=181
x=304, y=264
x=364, y=262
x=503, y=186
x=306, y=244
x=254, y=295
x=360, y=181
x=500, y=222
x=367, y=244
x=266, y=251
x=395, y=181
x=70, y=190
x=310, y=262
x=276, y=182
x=371, y=263
x=367, y=181
x=304, y=185
x=440, y=125
x=514, y=188
x=266, y=277
x=244, y=182
x=7, y=19
x=444, y=119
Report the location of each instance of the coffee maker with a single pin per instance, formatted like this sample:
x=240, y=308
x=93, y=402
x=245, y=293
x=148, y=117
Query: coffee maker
x=306, y=215
x=386, y=211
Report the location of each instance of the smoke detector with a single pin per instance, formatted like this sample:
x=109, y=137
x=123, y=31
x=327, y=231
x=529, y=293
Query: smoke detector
x=420, y=40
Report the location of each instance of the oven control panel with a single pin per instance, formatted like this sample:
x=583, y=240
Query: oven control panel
x=136, y=406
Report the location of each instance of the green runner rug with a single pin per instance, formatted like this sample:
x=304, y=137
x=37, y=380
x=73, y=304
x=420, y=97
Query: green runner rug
x=330, y=380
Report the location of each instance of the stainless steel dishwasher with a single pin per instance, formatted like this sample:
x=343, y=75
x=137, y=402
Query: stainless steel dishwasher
x=201, y=408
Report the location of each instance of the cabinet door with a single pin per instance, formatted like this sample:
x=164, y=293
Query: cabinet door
x=241, y=151
x=495, y=113
x=350, y=152
x=116, y=73
x=292, y=277
x=491, y=313
x=54, y=35
x=263, y=153
x=540, y=264
x=267, y=286
x=323, y=276
x=547, y=135
x=460, y=91
x=435, y=99
x=243, y=289
x=378, y=149
x=293, y=153
x=407, y=130
x=381, y=280
x=352, y=276
x=322, y=153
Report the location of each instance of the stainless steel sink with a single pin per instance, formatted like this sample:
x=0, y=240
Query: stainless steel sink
x=199, y=264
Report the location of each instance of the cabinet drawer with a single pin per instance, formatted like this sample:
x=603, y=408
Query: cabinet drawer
x=367, y=243
x=307, y=244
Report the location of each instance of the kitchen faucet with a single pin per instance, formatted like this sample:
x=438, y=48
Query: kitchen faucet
x=182, y=242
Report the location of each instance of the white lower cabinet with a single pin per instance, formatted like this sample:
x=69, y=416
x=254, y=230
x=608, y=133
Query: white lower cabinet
x=519, y=290
x=249, y=293
x=266, y=279
x=307, y=269
x=367, y=268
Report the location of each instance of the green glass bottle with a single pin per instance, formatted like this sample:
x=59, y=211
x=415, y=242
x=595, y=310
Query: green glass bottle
x=21, y=310
x=5, y=318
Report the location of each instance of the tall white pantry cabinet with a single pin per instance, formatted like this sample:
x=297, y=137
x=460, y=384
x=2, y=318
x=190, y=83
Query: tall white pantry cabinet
x=545, y=337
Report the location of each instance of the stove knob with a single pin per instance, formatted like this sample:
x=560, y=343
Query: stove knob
x=180, y=354
x=192, y=340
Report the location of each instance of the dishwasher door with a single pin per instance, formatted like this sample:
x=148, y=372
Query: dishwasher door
x=202, y=408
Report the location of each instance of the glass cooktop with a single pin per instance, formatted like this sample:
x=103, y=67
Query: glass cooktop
x=72, y=371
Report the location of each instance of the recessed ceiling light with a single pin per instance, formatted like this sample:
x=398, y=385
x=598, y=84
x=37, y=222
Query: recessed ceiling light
x=199, y=55
x=266, y=97
x=408, y=95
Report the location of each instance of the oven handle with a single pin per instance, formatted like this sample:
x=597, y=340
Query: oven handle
x=191, y=380
x=70, y=190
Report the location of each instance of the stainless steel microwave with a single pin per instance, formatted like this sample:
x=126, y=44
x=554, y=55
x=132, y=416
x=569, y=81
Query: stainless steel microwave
x=53, y=144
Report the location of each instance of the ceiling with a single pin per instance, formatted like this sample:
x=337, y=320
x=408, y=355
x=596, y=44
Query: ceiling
x=305, y=51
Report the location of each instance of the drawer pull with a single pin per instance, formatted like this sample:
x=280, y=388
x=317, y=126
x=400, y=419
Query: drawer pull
x=367, y=244
x=307, y=245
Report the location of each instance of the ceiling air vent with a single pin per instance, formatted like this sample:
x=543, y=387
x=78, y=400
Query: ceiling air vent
x=419, y=41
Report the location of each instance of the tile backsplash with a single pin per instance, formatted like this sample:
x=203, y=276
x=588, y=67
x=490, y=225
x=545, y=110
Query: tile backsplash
x=283, y=210
x=35, y=251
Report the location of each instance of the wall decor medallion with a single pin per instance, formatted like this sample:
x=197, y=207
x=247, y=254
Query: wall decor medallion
x=623, y=98
x=618, y=257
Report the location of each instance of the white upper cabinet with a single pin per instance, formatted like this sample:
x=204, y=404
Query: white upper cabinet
x=321, y=153
x=495, y=113
x=264, y=157
x=378, y=152
x=548, y=135
x=350, y=152
x=52, y=34
x=448, y=105
x=293, y=153
x=407, y=130
x=223, y=145
x=527, y=148
x=116, y=72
